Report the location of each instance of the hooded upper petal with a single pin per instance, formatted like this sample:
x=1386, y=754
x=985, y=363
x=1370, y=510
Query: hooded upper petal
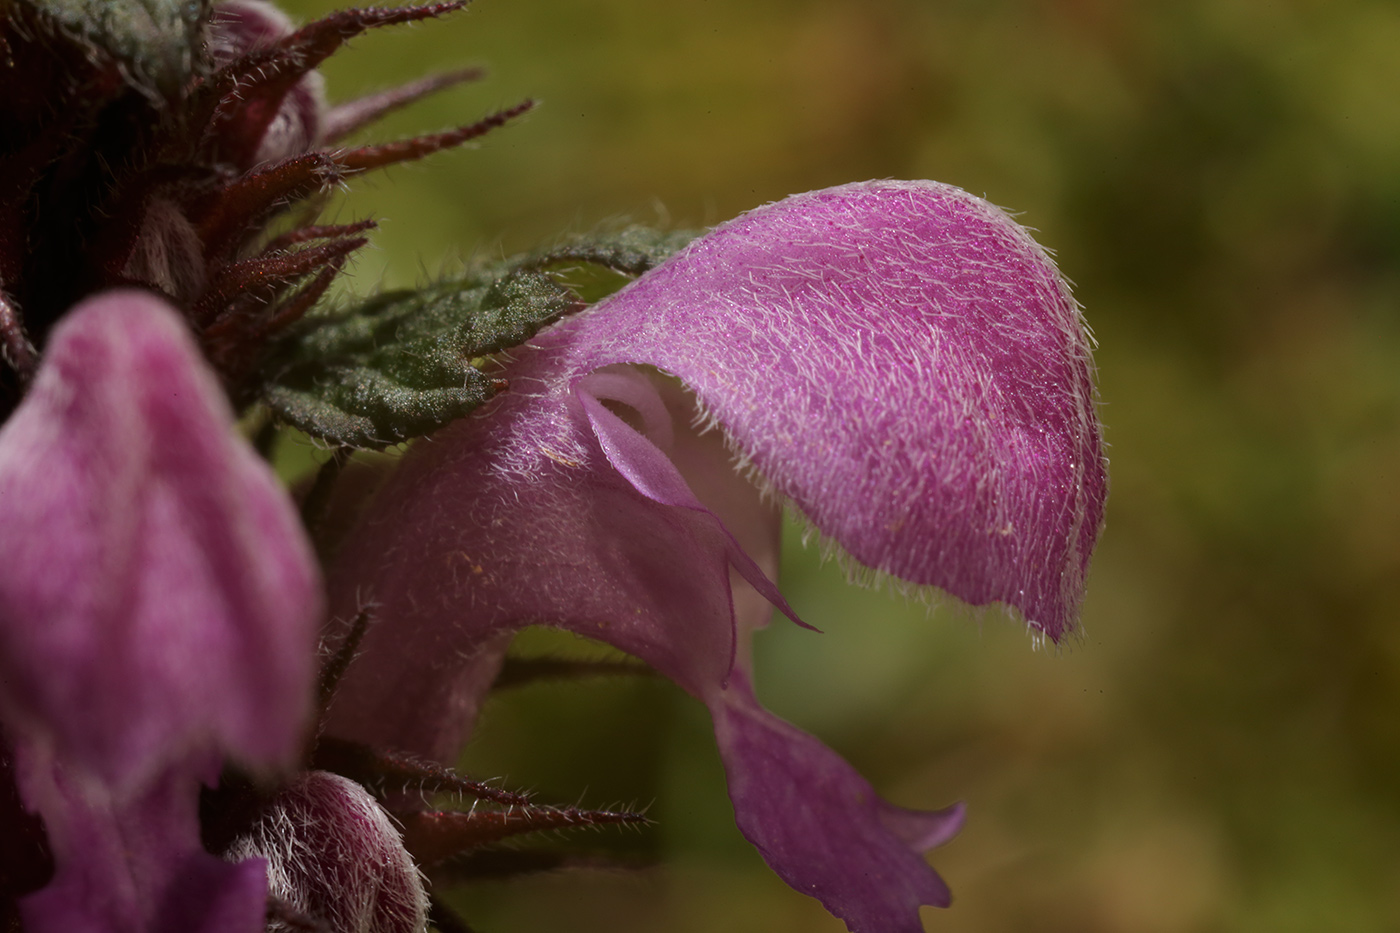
x=898, y=359
x=902, y=362
x=158, y=609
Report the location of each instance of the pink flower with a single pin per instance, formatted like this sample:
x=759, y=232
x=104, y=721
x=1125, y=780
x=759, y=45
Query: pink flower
x=158, y=613
x=897, y=360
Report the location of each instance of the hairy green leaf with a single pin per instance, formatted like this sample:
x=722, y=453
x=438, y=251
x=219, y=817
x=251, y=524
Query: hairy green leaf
x=155, y=39
x=631, y=251
x=401, y=365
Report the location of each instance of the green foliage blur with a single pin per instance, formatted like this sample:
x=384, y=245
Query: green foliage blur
x=1220, y=748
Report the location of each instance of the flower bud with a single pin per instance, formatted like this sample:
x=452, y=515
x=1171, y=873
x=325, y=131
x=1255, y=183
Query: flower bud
x=242, y=26
x=334, y=856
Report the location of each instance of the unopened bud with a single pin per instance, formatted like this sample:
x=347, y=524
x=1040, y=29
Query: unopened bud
x=334, y=856
x=242, y=26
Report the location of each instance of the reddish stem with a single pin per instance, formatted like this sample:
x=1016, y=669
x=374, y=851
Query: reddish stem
x=435, y=835
x=406, y=150
x=344, y=119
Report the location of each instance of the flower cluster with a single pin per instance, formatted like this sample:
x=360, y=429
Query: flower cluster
x=205, y=727
x=156, y=152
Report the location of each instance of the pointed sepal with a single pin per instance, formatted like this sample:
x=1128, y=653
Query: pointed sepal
x=386, y=773
x=434, y=836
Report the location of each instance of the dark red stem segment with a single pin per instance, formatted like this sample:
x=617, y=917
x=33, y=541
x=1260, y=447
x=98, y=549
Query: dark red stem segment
x=406, y=150
x=293, y=308
x=316, y=41
x=245, y=202
x=390, y=772
x=344, y=119
x=254, y=85
x=340, y=659
x=432, y=836
x=322, y=232
x=271, y=272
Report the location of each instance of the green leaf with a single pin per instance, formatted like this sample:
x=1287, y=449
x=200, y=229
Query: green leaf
x=401, y=365
x=631, y=251
x=155, y=39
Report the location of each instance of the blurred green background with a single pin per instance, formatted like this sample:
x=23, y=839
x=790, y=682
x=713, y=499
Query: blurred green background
x=1220, y=749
